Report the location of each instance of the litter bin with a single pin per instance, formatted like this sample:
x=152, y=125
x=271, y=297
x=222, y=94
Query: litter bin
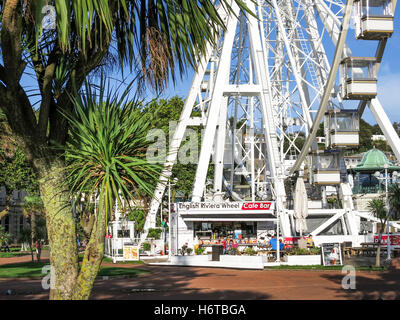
x=217, y=250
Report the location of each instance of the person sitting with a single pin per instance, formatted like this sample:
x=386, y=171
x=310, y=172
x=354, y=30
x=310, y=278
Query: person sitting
x=310, y=242
x=273, y=243
x=229, y=246
x=235, y=244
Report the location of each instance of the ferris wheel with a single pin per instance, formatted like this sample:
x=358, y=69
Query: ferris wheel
x=266, y=87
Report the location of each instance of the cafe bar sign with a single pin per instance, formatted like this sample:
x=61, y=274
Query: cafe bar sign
x=226, y=207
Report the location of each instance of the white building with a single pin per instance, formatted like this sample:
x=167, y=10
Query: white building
x=15, y=221
x=378, y=137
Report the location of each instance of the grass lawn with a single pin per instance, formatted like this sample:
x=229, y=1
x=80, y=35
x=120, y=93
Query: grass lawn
x=108, y=260
x=34, y=270
x=320, y=267
x=14, y=252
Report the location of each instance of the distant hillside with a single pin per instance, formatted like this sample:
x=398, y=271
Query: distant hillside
x=367, y=131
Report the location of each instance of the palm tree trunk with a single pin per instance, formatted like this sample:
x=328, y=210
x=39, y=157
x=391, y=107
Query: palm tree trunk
x=61, y=229
x=378, y=251
x=378, y=255
x=93, y=256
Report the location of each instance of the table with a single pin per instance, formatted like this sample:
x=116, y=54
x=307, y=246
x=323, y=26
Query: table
x=369, y=248
x=396, y=252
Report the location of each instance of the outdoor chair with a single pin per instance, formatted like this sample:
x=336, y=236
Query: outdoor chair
x=347, y=246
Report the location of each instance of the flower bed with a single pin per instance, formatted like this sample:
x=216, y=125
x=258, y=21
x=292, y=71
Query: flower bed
x=304, y=252
x=303, y=257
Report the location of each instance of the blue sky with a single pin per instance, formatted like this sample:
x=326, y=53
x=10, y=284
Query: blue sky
x=388, y=78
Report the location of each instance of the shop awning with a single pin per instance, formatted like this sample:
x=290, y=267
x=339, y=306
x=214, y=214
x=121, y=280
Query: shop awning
x=228, y=217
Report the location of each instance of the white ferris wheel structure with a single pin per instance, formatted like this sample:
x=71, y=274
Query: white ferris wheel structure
x=262, y=93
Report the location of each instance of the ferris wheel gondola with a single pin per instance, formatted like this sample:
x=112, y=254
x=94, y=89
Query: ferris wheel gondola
x=358, y=78
x=342, y=127
x=374, y=19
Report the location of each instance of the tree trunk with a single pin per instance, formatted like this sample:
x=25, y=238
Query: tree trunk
x=31, y=250
x=378, y=255
x=93, y=256
x=33, y=232
x=378, y=251
x=61, y=228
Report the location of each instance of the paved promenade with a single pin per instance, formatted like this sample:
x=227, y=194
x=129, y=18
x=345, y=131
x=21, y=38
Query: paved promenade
x=164, y=283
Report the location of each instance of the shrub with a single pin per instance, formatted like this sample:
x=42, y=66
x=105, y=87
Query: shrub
x=199, y=251
x=307, y=252
x=183, y=250
x=233, y=251
x=4, y=236
x=154, y=233
x=146, y=246
x=250, y=251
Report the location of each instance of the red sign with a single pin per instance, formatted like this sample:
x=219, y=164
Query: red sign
x=394, y=240
x=292, y=241
x=256, y=206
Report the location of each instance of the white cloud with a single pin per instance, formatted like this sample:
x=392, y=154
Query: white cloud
x=389, y=94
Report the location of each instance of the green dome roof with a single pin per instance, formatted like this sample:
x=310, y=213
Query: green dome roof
x=375, y=160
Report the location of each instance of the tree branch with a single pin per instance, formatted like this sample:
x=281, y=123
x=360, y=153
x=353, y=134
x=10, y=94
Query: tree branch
x=46, y=90
x=11, y=35
x=83, y=67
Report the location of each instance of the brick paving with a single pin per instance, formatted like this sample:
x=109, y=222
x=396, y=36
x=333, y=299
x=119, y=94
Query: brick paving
x=182, y=283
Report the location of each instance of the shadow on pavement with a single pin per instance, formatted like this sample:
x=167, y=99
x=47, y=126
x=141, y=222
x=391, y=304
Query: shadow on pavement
x=171, y=283
x=369, y=285
x=160, y=284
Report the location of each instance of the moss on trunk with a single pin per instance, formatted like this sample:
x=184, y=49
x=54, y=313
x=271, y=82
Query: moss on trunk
x=61, y=229
x=93, y=256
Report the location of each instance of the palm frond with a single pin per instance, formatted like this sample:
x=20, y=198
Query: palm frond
x=106, y=148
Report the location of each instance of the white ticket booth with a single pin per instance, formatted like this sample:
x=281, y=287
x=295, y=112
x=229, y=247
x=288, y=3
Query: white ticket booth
x=120, y=243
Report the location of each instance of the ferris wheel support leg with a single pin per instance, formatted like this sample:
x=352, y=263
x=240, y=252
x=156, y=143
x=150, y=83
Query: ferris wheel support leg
x=346, y=194
x=174, y=145
x=222, y=80
x=219, y=152
x=285, y=224
x=386, y=125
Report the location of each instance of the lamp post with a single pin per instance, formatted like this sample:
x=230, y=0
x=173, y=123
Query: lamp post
x=278, y=215
x=387, y=210
x=169, y=214
x=377, y=175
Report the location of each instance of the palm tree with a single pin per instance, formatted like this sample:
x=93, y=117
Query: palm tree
x=378, y=208
x=394, y=200
x=157, y=40
x=106, y=152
